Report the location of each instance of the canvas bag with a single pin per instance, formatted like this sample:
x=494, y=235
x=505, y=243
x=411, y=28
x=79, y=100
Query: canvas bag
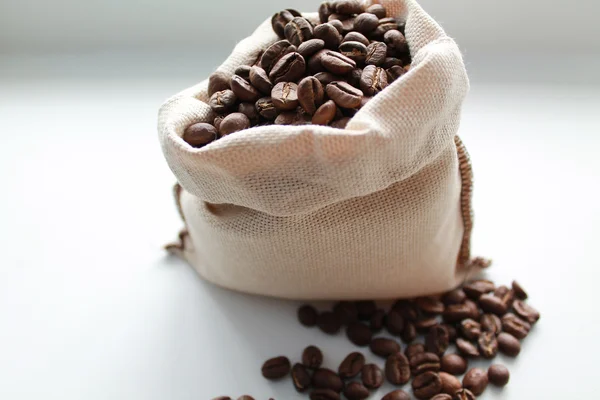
x=381, y=209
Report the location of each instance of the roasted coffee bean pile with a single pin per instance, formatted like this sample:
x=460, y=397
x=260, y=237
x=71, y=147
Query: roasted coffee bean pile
x=316, y=74
x=480, y=319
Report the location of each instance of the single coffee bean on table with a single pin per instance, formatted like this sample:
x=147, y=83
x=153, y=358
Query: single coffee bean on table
x=453, y=364
x=426, y=385
x=397, y=369
x=492, y=304
x=359, y=333
x=351, y=366
x=324, y=378
x=312, y=357
x=508, y=344
x=414, y=349
x=456, y=296
x=498, y=375
x=276, y=368
x=467, y=348
x=476, y=380
x=300, y=377
x=372, y=376
x=450, y=383
x=424, y=362
x=437, y=340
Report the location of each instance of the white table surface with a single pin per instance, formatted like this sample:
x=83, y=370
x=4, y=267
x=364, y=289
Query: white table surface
x=92, y=308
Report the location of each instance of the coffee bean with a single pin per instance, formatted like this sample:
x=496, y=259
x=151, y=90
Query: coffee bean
x=425, y=324
x=378, y=10
x=351, y=365
x=410, y=332
x=377, y=320
x=222, y=398
x=218, y=82
x=325, y=11
x=356, y=391
x=376, y=53
x=474, y=312
x=243, y=71
x=337, y=63
x=329, y=322
x=397, y=369
x=314, y=65
x=346, y=96
x=267, y=110
x=348, y=7
x=492, y=304
x=384, y=347
x=276, y=368
x=281, y=19
x=337, y=24
x=233, y=123
x=285, y=96
x=245, y=397
x=394, y=72
x=310, y=47
x=464, y=394
x=467, y=348
x=324, y=394
x=324, y=378
x=325, y=114
x=470, y=329
x=327, y=77
x=452, y=334
x=354, y=79
x=506, y=295
x=289, y=68
x=476, y=289
x=414, y=349
x=359, y=333
x=371, y=375
x=300, y=377
x=508, y=344
x=200, y=134
x=453, y=364
x=431, y=304
x=329, y=35
x=426, y=385
x=525, y=311
x=437, y=340
x=456, y=312
x=394, y=323
x=498, y=375
x=519, y=291
x=310, y=97
x=515, y=326
x=340, y=123
x=312, y=357
x=249, y=111
x=354, y=50
x=407, y=309
x=356, y=37
x=442, y=396
x=390, y=62
x=298, y=30
x=366, y=23
x=491, y=323
x=260, y=80
x=450, y=384
x=488, y=345
x=217, y=121
x=424, y=362
x=395, y=41
x=476, y=381
x=222, y=101
x=373, y=80
x=456, y=296
x=274, y=53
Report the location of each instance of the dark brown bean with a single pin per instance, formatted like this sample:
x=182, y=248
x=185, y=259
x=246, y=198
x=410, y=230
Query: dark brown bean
x=385, y=24
x=217, y=121
x=347, y=7
x=470, y=329
x=356, y=391
x=492, y=304
x=414, y=349
x=456, y=296
x=450, y=384
x=378, y=10
x=329, y=322
x=298, y=30
x=394, y=72
x=249, y=111
x=431, y=304
x=526, y=312
x=354, y=50
x=260, y=80
x=329, y=35
x=222, y=101
x=410, y=332
x=366, y=23
x=351, y=366
x=359, y=333
x=442, y=396
x=437, y=340
x=452, y=334
x=515, y=326
x=200, y=134
x=426, y=385
x=488, y=345
x=285, y=96
x=498, y=375
x=384, y=347
x=456, y=312
x=217, y=82
x=394, y=323
x=233, y=123
x=337, y=63
x=475, y=289
x=245, y=397
x=346, y=96
x=325, y=114
x=324, y=378
x=310, y=97
x=423, y=362
x=467, y=348
x=300, y=377
x=506, y=295
x=325, y=10
x=222, y=398
x=324, y=394
x=267, y=110
x=377, y=320
x=276, y=368
x=508, y=344
x=453, y=364
x=519, y=291
x=407, y=309
x=425, y=324
x=243, y=71
x=474, y=312
x=396, y=395
x=337, y=24
x=476, y=380
x=372, y=81
x=281, y=19
x=312, y=357
x=356, y=37
x=310, y=47
x=397, y=369
x=327, y=77
x=274, y=53
x=371, y=375
x=464, y=394
x=491, y=323
x=376, y=53
x=395, y=41
x=391, y=62
x=288, y=68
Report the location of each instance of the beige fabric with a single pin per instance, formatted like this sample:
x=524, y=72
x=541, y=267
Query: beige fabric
x=313, y=212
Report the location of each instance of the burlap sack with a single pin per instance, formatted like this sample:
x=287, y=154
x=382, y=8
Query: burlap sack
x=378, y=210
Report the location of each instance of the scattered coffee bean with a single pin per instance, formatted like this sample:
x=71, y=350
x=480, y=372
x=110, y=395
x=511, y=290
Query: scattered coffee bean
x=324, y=394
x=414, y=349
x=474, y=312
x=312, y=357
x=355, y=51
x=288, y=68
x=356, y=391
x=470, y=329
x=371, y=375
x=475, y=289
x=407, y=309
x=329, y=322
x=329, y=35
x=372, y=81
x=456, y=296
x=359, y=333
x=377, y=9
x=356, y=37
x=267, y=110
x=397, y=369
x=476, y=380
x=491, y=323
x=456, y=312
x=515, y=326
x=200, y=134
x=519, y=291
x=464, y=394
x=337, y=63
x=347, y=7
x=249, y=110
x=274, y=53
x=298, y=30
x=327, y=77
x=276, y=368
x=437, y=340
x=222, y=101
x=506, y=295
x=452, y=333
x=260, y=80
x=351, y=366
x=442, y=396
x=492, y=304
x=233, y=123
x=394, y=323
x=281, y=19
x=325, y=113
x=325, y=11
x=450, y=383
x=310, y=47
x=525, y=311
x=337, y=24
x=426, y=385
x=344, y=95
x=508, y=344
x=467, y=348
x=395, y=41
x=431, y=304
x=488, y=345
x=310, y=97
x=424, y=362
x=285, y=96
x=453, y=364
x=376, y=53
x=218, y=82
x=425, y=324
x=324, y=378
x=377, y=321
x=394, y=72
x=366, y=23
x=300, y=377
x=410, y=332
x=498, y=375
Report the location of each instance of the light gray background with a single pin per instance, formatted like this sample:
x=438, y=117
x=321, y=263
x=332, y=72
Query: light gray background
x=91, y=308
